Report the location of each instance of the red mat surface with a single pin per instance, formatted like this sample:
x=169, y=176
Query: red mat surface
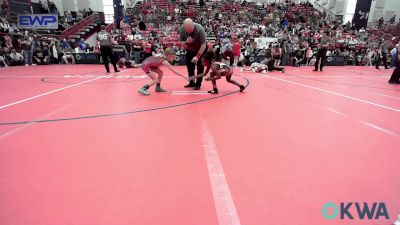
x=78, y=147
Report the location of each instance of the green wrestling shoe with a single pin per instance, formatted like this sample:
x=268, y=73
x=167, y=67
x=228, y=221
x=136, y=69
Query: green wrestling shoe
x=143, y=91
x=159, y=89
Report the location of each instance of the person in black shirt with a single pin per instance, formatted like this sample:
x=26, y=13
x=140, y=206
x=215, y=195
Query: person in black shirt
x=217, y=50
x=379, y=58
x=271, y=64
x=16, y=59
x=193, y=39
x=142, y=25
x=105, y=43
x=321, y=54
x=298, y=59
x=41, y=56
x=381, y=53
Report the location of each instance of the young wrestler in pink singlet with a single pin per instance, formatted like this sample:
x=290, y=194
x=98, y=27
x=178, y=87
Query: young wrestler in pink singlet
x=151, y=66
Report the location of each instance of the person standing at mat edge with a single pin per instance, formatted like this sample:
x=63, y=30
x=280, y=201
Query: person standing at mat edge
x=323, y=48
x=193, y=39
x=104, y=43
x=395, y=78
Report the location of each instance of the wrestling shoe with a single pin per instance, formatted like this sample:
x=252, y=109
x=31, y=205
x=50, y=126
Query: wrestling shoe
x=143, y=91
x=190, y=85
x=213, y=91
x=159, y=89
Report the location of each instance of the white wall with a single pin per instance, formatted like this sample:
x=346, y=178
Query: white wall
x=337, y=7
x=95, y=5
x=385, y=8
x=71, y=5
x=58, y=3
x=75, y=5
x=379, y=8
x=332, y=7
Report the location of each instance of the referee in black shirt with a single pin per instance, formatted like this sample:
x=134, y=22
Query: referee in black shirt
x=104, y=42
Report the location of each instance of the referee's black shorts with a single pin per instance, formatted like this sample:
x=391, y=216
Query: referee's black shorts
x=106, y=53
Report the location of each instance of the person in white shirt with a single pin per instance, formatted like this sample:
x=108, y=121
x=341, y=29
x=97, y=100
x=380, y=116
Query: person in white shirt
x=370, y=56
x=328, y=53
x=137, y=37
x=130, y=37
x=16, y=58
x=77, y=50
x=68, y=54
x=309, y=55
x=4, y=25
x=3, y=61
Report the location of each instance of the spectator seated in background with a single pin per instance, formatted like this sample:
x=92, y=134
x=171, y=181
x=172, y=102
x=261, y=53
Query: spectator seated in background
x=298, y=59
x=7, y=42
x=68, y=54
x=16, y=59
x=63, y=24
x=4, y=57
x=137, y=36
x=77, y=49
x=65, y=44
x=89, y=48
x=4, y=25
x=3, y=61
x=41, y=56
x=131, y=35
